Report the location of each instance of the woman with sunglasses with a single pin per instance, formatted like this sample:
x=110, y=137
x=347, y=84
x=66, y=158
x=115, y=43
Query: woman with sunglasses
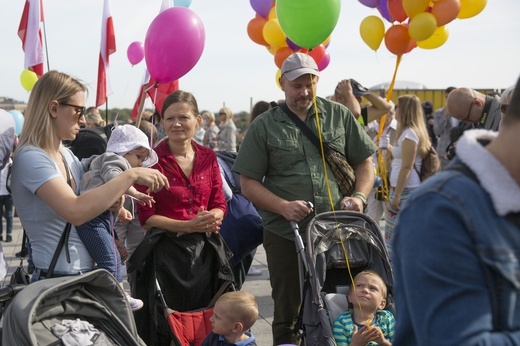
x=46, y=176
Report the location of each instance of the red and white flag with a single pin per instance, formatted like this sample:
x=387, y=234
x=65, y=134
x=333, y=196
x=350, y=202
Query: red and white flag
x=108, y=46
x=31, y=35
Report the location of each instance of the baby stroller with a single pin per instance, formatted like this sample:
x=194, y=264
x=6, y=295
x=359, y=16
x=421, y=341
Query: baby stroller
x=190, y=270
x=90, y=309
x=324, y=273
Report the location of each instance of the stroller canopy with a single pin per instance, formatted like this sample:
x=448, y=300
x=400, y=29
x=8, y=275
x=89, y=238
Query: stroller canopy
x=94, y=297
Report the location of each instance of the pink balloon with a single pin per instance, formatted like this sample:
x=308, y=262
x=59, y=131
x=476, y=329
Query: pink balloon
x=135, y=52
x=174, y=43
x=324, y=62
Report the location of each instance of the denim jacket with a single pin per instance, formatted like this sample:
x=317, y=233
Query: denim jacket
x=456, y=256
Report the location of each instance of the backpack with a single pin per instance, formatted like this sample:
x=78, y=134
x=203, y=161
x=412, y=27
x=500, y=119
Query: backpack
x=431, y=164
x=232, y=178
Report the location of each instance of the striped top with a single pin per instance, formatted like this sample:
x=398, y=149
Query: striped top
x=344, y=327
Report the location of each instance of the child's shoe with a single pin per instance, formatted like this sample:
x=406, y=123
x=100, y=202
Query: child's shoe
x=135, y=304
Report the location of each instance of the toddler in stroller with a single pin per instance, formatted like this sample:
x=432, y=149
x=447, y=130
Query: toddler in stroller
x=339, y=245
x=366, y=322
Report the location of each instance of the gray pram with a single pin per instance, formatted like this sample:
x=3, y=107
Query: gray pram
x=324, y=275
x=94, y=297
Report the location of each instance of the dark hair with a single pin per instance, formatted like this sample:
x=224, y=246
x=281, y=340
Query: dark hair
x=181, y=96
x=513, y=109
x=259, y=108
x=449, y=90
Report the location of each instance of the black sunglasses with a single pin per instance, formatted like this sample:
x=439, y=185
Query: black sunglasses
x=80, y=111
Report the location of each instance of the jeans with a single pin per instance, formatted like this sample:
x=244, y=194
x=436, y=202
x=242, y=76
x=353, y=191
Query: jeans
x=6, y=201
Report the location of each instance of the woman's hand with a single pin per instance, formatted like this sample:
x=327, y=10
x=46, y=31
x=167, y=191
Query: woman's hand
x=152, y=178
x=205, y=221
x=394, y=203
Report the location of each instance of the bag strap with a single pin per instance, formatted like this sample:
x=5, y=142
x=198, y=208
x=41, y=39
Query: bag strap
x=304, y=128
x=64, y=239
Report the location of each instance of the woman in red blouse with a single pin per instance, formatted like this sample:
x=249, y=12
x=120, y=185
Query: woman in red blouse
x=182, y=247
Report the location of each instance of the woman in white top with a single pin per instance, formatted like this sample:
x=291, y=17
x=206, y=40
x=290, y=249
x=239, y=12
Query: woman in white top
x=411, y=146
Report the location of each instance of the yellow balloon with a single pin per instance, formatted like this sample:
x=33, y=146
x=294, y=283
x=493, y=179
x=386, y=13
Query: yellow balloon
x=28, y=78
x=272, y=13
x=414, y=7
x=422, y=26
x=372, y=30
x=273, y=33
x=470, y=8
x=277, y=78
x=439, y=37
x=327, y=41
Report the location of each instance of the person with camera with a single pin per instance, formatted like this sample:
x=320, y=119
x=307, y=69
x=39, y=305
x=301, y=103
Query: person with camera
x=348, y=92
x=475, y=110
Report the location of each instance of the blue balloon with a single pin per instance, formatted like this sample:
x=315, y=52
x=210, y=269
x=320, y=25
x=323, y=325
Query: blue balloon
x=18, y=120
x=182, y=3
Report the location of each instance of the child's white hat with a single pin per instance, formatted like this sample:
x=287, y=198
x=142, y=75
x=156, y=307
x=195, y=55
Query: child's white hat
x=126, y=138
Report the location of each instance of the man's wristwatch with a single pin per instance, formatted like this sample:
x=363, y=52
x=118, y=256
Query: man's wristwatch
x=363, y=198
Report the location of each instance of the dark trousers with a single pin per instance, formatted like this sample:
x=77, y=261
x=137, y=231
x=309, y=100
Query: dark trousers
x=282, y=261
x=6, y=202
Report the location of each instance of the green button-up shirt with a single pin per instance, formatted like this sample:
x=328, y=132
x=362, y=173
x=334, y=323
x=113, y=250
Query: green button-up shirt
x=278, y=154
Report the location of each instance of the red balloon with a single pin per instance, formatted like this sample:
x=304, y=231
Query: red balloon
x=397, y=39
x=317, y=53
x=395, y=7
x=255, y=29
x=282, y=54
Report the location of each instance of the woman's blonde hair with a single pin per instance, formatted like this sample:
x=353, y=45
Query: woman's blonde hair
x=95, y=119
x=411, y=116
x=38, y=129
x=228, y=112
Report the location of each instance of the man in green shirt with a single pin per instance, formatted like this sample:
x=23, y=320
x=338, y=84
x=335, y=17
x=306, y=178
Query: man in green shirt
x=281, y=170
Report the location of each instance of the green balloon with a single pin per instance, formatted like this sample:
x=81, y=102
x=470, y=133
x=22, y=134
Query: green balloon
x=308, y=23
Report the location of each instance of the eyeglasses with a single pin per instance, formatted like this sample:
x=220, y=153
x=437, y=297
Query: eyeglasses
x=469, y=111
x=221, y=113
x=80, y=111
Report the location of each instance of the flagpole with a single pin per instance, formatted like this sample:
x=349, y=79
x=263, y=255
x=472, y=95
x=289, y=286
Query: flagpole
x=106, y=112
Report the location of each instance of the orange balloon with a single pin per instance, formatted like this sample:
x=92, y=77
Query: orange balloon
x=396, y=10
x=255, y=29
x=282, y=54
x=397, y=39
x=411, y=46
x=445, y=11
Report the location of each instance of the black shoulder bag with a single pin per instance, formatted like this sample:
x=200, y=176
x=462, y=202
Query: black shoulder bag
x=343, y=172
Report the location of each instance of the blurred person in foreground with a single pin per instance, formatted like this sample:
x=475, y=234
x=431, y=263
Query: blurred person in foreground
x=456, y=245
x=281, y=170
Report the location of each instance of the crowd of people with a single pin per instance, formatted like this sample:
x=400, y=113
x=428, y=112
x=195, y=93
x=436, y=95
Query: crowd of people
x=156, y=206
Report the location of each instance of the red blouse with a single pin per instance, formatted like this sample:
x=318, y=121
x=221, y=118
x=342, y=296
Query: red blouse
x=186, y=194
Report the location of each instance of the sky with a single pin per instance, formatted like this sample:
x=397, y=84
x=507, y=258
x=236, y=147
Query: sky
x=233, y=71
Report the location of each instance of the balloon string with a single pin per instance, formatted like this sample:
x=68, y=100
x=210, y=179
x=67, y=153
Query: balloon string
x=381, y=162
x=329, y=193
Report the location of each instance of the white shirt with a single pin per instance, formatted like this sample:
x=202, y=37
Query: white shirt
x=397, y=153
